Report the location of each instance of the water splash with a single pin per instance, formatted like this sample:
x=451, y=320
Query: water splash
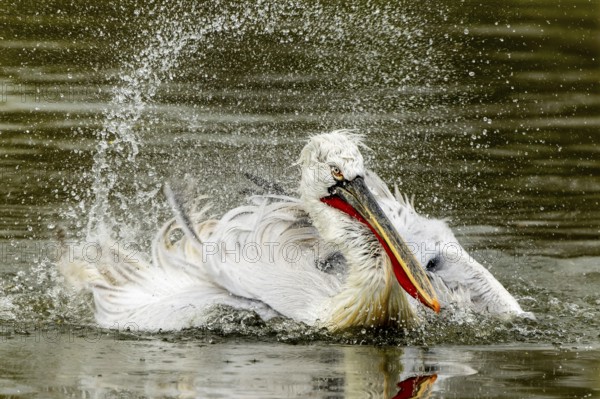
x=119, y=189
x=124, y=183
x=119, y=137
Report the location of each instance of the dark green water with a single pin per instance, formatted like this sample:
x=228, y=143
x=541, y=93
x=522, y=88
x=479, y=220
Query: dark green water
x=488, y=113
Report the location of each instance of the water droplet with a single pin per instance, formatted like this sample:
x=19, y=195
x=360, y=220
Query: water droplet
x=471, y=73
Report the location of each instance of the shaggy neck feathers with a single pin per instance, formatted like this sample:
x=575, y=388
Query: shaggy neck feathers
x=371, y=294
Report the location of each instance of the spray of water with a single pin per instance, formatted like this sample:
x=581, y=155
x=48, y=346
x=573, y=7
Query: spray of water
x=123, y=183
x=119, y=138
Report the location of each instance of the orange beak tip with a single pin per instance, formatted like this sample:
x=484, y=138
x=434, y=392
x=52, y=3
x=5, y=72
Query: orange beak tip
x=436, y=306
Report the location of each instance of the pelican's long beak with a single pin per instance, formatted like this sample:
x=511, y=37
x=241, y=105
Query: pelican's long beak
x=354, y=198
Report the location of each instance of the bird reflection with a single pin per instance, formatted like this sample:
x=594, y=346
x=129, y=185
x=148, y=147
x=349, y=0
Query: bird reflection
x=418, y=387
x=248, y=370
x=415, y=380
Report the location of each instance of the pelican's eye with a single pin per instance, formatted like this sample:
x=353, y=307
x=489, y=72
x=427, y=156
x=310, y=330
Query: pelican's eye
x=336, y=173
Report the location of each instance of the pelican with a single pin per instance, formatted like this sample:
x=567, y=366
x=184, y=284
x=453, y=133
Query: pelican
x=346, y=253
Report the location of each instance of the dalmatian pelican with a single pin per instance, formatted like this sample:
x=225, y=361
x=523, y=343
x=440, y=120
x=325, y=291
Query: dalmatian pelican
x=346, y=253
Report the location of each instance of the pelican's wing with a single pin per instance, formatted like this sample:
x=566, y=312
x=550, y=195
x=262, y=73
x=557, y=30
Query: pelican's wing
x=140, y=296
x=170, y=293
x=267, y=252
x=464, y=282
x=456, y=276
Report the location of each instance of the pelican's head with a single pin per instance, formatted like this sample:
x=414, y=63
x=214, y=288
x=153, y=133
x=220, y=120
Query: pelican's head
x=333, y=174
x=325, y=158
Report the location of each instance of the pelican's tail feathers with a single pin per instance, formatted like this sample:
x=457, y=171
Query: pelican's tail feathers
x=131, y=293
x=168, y=291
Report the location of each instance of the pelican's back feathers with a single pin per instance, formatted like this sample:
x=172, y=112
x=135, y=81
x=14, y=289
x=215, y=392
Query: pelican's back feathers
x=267, y=253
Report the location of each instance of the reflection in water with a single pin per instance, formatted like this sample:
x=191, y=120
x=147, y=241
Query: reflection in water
x=387, y=372
x=85, y=364
x=102, y=367
x=416, y=387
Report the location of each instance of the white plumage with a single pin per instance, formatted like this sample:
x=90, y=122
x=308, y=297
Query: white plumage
x=299, y=258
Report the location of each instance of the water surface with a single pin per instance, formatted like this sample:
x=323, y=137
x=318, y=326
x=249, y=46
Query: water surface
x=88, y=365
x=487, y=113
